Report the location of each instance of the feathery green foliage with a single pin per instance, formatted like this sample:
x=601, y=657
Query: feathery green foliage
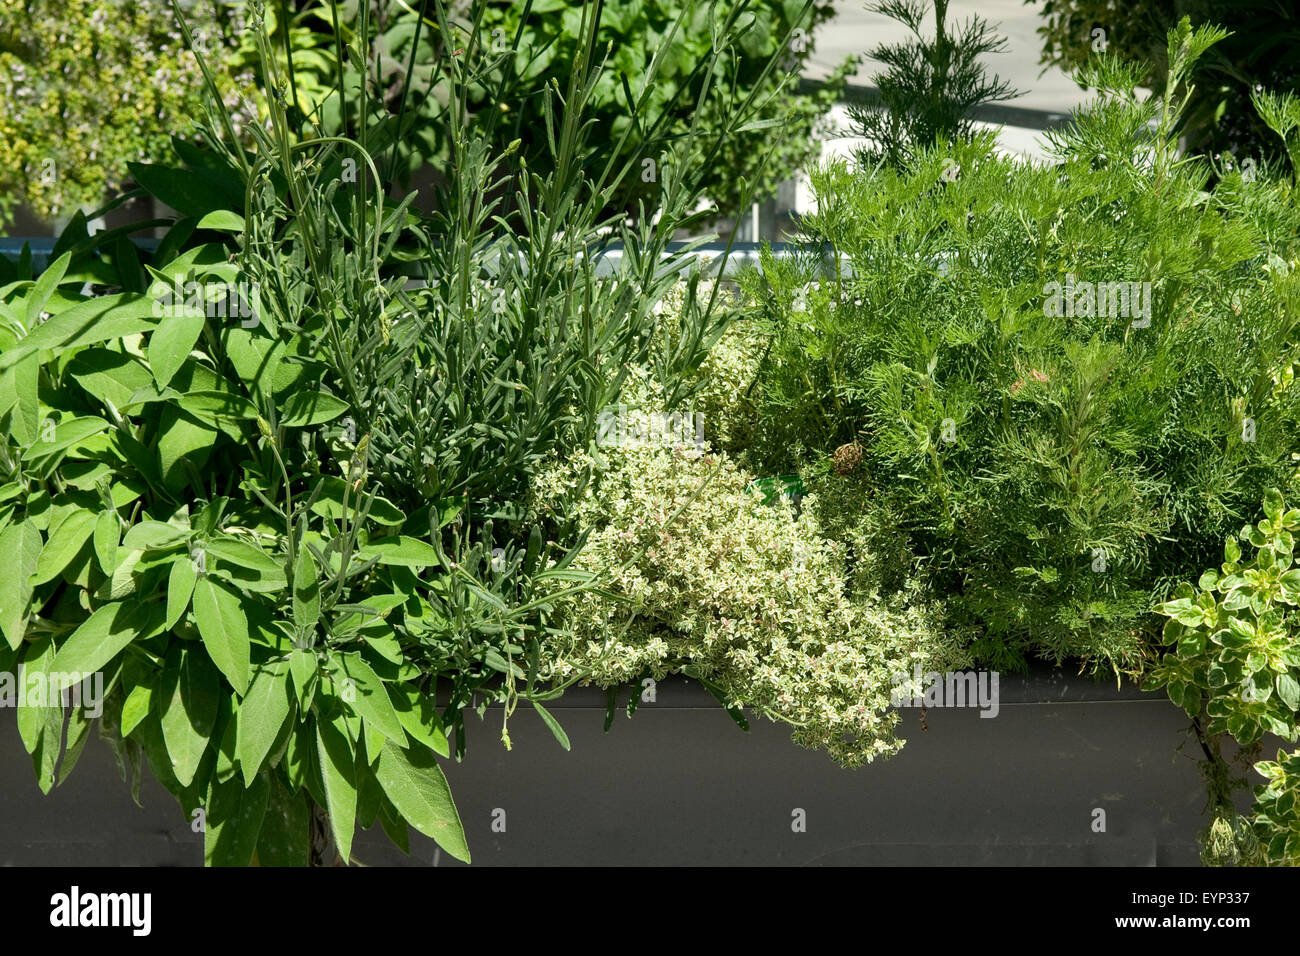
x=931, y=85
x=1065, y=383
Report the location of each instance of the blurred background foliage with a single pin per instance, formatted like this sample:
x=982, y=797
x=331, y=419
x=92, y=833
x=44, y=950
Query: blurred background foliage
x=1262, y=53
x=93, y=84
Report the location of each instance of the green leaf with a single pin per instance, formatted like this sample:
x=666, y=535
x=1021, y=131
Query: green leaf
x=696, y=672
x=40, y=724
x=108, y=375
x=250, y=566
x=361, y=688
x=234, y=819
x=329, y=504
x=403, y=551
x=189, y=194
x=338, y=772
x=21, y=546
x=1289, y=690
x=310, y=408
x=415, y=784
x=108, y=529
x=188, y=709
x=285, y=839
x=66, y=434
x=222, y=220
x=149, y=535
x=1273, y=504
x=262, y=715
x=394, y=826
x=306, y=592
x=183, y=443
x=553, y=724
x=302, y=668
x=102, y=319
x=25, y=424
x=418, y=713
x=217, y=407
x=104, y=634
x=223, y=625
x=171, y=343
x=136, y=707
x=44, y=287
x=180, y=587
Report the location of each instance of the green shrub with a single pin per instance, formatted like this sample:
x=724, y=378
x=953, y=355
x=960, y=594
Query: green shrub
x=1277, y=809
x=1234, y=667
x=1055, y=469
x=530, y=46
x=90, y=86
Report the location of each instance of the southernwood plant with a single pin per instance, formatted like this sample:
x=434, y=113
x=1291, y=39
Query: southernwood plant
x=1057, y=387
x=268, y=481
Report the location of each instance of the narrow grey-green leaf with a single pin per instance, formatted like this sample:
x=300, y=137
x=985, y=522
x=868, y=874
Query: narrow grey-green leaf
x=338, y=771
x=416, y=786
x=262, y=714
x=553, y=724
x=21, y=546
x=223, y=625
x=171, y=343
x=102, y=636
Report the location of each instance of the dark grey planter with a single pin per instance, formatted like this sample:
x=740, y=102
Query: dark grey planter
x=679, y=783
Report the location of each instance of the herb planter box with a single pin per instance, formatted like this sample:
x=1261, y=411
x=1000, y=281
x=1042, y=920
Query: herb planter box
x=680, y=784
